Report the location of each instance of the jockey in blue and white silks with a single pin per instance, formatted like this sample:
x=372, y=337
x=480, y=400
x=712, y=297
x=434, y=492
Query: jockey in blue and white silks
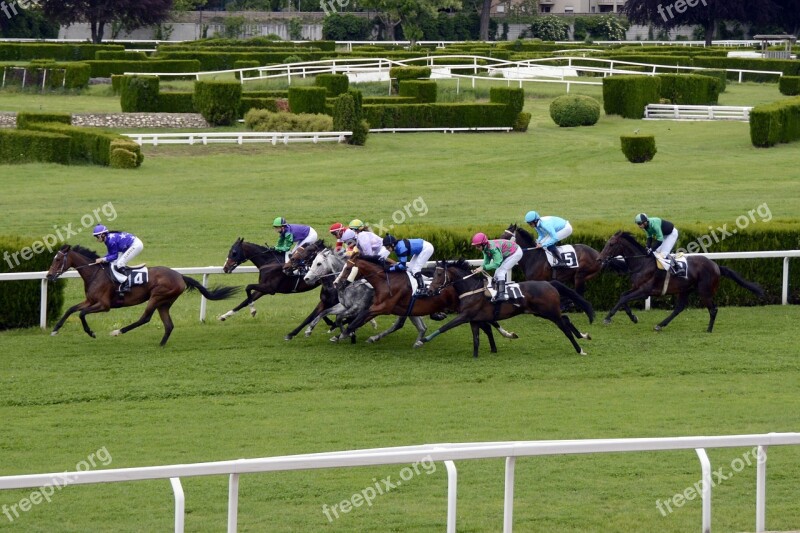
x=412, y=254
x=122, y=247
x=550, y=230
x=292, y=236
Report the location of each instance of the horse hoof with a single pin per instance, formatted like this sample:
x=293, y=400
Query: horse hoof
x=334, y=339
x=54, y=333
x=606, y=321
x=307, y=333
x=657, y=328
x=288, y=338
x=372, y=340
x=513, y=336
x=115, y=333
x=586, y=336
x=419, y=344
x=253, y=313
x=582, y=352
x=634, y=319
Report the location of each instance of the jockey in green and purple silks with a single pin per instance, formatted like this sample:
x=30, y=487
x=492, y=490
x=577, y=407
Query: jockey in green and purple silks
x=499, y=255
x=292, y=236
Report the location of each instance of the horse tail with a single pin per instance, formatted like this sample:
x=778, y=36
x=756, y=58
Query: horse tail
x=579, y=300
x=220, y=293
x=755, y=288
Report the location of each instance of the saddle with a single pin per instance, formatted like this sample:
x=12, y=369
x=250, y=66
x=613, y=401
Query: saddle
x=679, y=265
x=568, y=254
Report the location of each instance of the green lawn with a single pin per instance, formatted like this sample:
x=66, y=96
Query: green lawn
x=238, y=390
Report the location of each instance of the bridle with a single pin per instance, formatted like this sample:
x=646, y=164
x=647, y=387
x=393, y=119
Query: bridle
x=327, y=258
x=447, y=282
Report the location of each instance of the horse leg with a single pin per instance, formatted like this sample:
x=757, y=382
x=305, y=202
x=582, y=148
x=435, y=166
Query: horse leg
x=707, y=299
x=476, y=338
x=63, y=319
x=335, y=310
x=457, y=321
x=630, y=314
x=94, y=308
x=680, y=305
x=565, y=328
x=627, y=296
x=144, y=319
x=399, y=323
x=420, y=325
x=317, y=310
x=163, y=312
x=575, y=330
x=503, y=332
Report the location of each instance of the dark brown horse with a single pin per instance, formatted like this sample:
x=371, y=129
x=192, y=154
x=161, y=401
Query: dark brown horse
x=273, y=278
x=648, y=280
x=393, y=296
x=540, y=298
x=163, y=287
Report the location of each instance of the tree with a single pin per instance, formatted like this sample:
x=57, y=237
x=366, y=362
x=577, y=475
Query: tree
x=129, y=14
x=26, y=24
x=706, y=13
x=409, y=13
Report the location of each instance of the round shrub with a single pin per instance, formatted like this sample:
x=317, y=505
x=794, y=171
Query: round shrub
x=122, y=158
x=638, y=148
x=575, y=110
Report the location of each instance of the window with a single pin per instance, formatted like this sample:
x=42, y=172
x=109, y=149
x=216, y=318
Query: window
x=544, y=8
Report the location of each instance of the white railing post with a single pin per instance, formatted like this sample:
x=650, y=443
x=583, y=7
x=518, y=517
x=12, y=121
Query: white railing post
x=452, y=495
x=203, y=301
x=508, y=501
x=43, y=305
x=761, y=489
x=705, y=494
x=180, y=503
x=233, y=502
x=785, y=283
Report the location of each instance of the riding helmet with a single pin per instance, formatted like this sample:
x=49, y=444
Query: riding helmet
x=337, y=228
x=99, y=230
x=349, y=237
x=480, y=239
x=531, y=217
x=641, y=218
x=389, y=240
x=356, y=224
x=279, y=222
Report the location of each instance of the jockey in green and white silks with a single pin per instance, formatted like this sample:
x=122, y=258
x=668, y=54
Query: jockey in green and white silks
x=499, y=255
x=550, y=230
x=661, y=233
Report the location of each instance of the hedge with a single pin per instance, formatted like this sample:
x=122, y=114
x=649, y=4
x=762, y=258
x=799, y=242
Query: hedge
x=176, y=102
x=407, y=73
x=347, y=116
x=222, y=60
x=105, y=69
x=775, y=123
x=20, y=301
x=336, y=84
x=422, y=91
x=569, y=111
x=260, y=42
x=638, y=148
x=245, y=63
x=247, y=103
x=628, y=95
x=218, y=101
x=458, y=115
x=57, y=52
x=21, y=146
x=58, y=75
x=26, y=117
x=307, y=99
x=89, y=145
x=789, y=85
x=115, y=55
x=513, y=98
x=139, y=94
x=689, y=89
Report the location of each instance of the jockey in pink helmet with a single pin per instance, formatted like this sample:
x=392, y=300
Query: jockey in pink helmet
x=499, y=255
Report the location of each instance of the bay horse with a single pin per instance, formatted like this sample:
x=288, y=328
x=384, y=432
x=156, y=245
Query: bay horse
x=163, y=287
x=272, y=279
x=535, y=266
x=648, y=280
x=540, y=298
x=394, y=296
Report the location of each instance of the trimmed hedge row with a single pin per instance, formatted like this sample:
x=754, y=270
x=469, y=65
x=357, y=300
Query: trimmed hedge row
x=628, y=95
x=775, y=123
x=177, y=102
x=57, y=52
x=789, y=85
x=67, y=75
x=604, y=291
x=260, y=42
x=690, y=89
x=139, y=94
x=89, y=145
x=218, y=101
x=115, y=55
x=336, y=84
x=789, y=67
x=105, y=69
x=25, y=118
x=220, y=60
x=20, y=146
x=20, y=300
x=398, y=74
x=422, y=91
x=307, y=99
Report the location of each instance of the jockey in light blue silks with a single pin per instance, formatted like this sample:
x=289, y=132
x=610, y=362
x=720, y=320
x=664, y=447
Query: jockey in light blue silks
x=411, y=252
x=122, y=247
x=551, y=230
x=292, y=236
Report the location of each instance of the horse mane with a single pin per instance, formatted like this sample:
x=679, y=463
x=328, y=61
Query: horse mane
x=527, y=239
x=459, y=263
x=376, y=259
x=87, y=253
x=632, y=240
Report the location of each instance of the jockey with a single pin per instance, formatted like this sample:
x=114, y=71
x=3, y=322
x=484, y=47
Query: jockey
x=551, y=230
x=122, y=247
x=337, y=229
x=415, y=252
x=367, y=242
x=358, y=226
x=499, y=255
x=661, y=233
x=292, y=236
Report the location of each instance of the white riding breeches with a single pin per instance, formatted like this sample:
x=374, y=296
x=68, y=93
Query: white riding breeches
x=125, y=257
x=564, y=232
x=311, y=238
x=418, y=261
x=662, y=252
x=503, y=272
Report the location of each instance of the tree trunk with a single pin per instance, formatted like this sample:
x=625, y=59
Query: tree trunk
x=97, y=31
x=485, y=9
x=709, y=31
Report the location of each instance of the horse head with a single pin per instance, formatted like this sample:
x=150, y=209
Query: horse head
x=325, y=263
x=509, y=233
x=236, y=256
x=449, y=273
x=621, y=244
x=60, y=264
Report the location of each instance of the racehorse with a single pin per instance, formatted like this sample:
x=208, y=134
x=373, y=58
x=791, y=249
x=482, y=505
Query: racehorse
x=540, y=298
x=272, y=279
x=163, y=287
x=394, y=296
x=535, y=266
x=648, y=280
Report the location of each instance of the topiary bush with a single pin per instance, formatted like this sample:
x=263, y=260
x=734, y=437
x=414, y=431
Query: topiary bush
x=569, y=111
x=423, y=91
x=336, y=84
x=778, y=122
x=628, y=95
x=638, y=148
x=20, y=300
x=521, y=124
x=307, y=99
x=218, y=101
x=789, y=85
x=398, y=74
x=689, y=89
x=139, y=94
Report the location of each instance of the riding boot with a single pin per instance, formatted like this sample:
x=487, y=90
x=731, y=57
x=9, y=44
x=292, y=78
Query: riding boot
x=421, y=289
x=501, y=295
x=559, y=262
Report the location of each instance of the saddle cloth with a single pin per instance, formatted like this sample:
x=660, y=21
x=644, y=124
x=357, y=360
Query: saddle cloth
x=139, y=275
x=512, y=289
x=568, y=254
x=413, y=281
x=681, y=264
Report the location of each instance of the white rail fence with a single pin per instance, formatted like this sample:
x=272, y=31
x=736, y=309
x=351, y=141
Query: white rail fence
x=427, y=453
x=207, y=271
x=696, y=112
x=234, y=137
